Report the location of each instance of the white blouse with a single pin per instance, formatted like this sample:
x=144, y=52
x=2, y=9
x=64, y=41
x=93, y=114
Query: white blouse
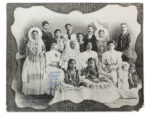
x=52, y=56
x=112, y=58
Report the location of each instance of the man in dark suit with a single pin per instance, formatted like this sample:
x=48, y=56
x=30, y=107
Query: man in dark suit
x=124, y=42
x=46, y=36
x=90, y=37
x=80, y=39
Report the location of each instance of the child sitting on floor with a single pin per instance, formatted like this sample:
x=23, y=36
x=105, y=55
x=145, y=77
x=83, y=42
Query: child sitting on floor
x=72, y=74
x=91, y=71
x=93, y=76
x=123, y=78
x=133, y=77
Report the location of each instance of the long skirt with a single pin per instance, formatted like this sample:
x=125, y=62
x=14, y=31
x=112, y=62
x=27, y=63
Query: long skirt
x=54, y=78
x=32, y=77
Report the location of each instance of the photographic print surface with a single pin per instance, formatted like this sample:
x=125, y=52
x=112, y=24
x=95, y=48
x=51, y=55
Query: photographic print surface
x=74, y=56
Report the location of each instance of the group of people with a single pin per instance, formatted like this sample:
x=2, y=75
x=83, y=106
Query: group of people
x=76, y=60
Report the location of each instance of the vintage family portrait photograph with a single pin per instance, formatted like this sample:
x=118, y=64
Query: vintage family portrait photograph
x=74, y=57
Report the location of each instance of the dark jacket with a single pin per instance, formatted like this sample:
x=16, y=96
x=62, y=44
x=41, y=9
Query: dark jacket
x=47, y=39
x=82, y=48
x=123, y=42
x=92, y=40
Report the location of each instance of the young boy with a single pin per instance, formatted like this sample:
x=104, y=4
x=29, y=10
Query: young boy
x=133, y=77
x=46, y=36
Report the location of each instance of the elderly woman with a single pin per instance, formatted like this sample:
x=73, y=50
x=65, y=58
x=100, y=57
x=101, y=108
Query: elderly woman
x=111, y=61
x=71, y=52
x=34, y=65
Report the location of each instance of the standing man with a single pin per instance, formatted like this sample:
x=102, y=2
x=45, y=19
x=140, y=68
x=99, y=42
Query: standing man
x=124, y=41
x=46, y=36
x=90, y=37
x=70, y=36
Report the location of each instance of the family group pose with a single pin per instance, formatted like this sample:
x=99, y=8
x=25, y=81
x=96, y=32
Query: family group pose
x=73, y=61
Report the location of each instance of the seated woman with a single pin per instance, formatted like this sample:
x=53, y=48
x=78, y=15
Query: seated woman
x=54, y=75
x=101, y=43
x=34, y=65
x=69, y=53
x=53, y=56
x=111, y=61
x=72, y=74
x=87, y=54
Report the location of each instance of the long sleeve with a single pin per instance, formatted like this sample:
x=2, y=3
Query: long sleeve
x=124, y=42
x=127, y=42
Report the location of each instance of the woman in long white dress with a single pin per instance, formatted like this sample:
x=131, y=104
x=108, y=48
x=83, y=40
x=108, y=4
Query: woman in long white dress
x=54, y=75
x=111, y=61
x=34, y=65
x=88, y=54
x=71, y=52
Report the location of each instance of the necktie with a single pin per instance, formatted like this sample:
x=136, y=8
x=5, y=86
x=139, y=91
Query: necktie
x=69, y=36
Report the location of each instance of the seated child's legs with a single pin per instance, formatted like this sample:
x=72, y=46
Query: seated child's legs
x=87, y=83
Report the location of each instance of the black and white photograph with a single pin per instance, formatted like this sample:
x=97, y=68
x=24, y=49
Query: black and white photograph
x=74, y=57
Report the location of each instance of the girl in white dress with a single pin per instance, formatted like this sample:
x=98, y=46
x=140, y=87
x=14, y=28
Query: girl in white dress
x=34, y=65
x=124, y=76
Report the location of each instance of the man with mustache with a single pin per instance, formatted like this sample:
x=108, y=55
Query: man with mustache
x=124, y=42
x=69, y=36
x=90, y=37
